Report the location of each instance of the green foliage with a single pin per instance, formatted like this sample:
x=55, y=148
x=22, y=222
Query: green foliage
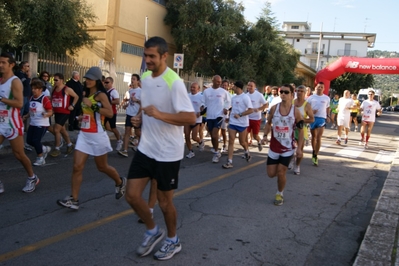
x=49, y=25
x=216, y=39
x=387, y=101
x=352, y=82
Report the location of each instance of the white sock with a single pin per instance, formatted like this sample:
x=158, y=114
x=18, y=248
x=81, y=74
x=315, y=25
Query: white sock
x=279, y=193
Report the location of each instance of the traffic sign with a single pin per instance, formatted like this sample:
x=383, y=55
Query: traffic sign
x=178, y=61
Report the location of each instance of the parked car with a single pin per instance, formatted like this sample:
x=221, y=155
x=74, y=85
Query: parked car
x=396, y=108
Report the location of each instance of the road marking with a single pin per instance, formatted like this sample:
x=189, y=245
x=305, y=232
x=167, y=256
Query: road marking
x=384, y=157
x=350, y=152
x=323, y=147
x=87, y=227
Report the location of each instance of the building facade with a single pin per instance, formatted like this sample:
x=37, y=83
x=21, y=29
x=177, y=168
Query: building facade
x=332, y=44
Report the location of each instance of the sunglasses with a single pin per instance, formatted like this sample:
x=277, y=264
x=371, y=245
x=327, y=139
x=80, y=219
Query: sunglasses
x=56, y=80
x=285, y=92
x=106, y=82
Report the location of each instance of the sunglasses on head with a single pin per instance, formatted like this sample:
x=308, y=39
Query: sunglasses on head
x=285, y=92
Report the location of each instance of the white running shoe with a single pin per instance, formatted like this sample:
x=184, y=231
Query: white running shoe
x=297, y=170
x=291, y=165
x=39, y=161
x=224, y=149
x=201, y=145
x=366, y=145
x=119, y=145
x=30, y=185
x=190, y=155
x=212, y=150
x=216, y=157
x=46, y=151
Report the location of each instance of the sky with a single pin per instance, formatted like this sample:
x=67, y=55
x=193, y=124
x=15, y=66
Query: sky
x=358, y=16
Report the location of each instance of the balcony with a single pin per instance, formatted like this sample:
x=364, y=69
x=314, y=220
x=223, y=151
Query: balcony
x=313, y=52
x=343, y=52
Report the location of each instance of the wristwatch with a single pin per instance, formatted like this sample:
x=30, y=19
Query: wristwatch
x=240, y=114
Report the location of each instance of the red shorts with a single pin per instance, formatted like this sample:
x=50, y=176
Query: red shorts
x=254, y=126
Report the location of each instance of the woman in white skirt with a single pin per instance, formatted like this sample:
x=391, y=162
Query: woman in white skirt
x=93, y=139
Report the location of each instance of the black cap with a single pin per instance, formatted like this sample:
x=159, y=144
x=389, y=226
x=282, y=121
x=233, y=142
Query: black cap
x=239, y=84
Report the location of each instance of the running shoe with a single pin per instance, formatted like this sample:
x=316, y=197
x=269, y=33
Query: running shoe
x=121, y=189
x=190, y=155
x=70, y=148
x=260, y=148
x=248, y=157
x=28, y=147
x=366, y=145
x=39, y=161
x=355, y=129
x=224, y=149
x=306, y=142
x=168, y=250
x=201, y=145
x=315, y=161
x=55, y=153
x=30, y=185
x=119, y=145
x=227, y=165
x=69, y=202
x=338, y=142
x=134, y=148
x=361, y=142
x=123, y=153
x=61, y=143
x=212, y=150
x=291, y=165
x=297, y=170
x=216, y=157
x=278, y=200
x=332, y=127
x=46, y=151
x=346, y=141
x=149, y=242
x=1, y=187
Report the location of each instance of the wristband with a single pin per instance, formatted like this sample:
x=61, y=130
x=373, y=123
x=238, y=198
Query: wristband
x=95, y=108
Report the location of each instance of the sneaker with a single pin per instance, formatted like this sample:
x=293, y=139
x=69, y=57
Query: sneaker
x=31, y=184
x=149, y=242
x=297, y=170
x=346, y=141
x=190, y=155
x=315, y=161
x=338, y=142
x=1, y=187
x=134, y=148
x=123, y=153
x=361, y=142
x=39, y=161
x=28, y=147
x=291, y=164
x=213, y=150
x=220, y=140
x=70, y=148
x=119, y=145
x=168, y=250
x=332, y=127
x=306, y=142
x=355, y=129
x=216, y=157
x=201, y=145
x=46, y=151
x=248, y=157
x=121, y=189
x=366, y=145
x=61, y=143
x=69, y=202
x=224, y=149
x=260, y=148
x=244, y=156
x=55, y=153
x=227, y=165
x=278, y=200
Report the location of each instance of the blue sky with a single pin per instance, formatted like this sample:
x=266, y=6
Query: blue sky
x=380, y=17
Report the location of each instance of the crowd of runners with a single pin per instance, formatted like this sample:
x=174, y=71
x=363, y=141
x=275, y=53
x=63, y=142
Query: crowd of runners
x=158, y=112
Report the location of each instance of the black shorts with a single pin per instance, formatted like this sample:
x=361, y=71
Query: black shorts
x=128, y=122
x=61, y=119
x=281, y=160
x=165, y=173
x=111, y=121
x=354, y=115
x=214, y=123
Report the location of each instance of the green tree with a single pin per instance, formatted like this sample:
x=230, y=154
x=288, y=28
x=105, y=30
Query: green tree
x=56, y=26
x=353, y=82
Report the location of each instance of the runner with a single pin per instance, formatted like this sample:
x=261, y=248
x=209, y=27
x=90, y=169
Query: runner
x=321, y=107
x=241, y=107
x=344, y=116
x=285, y=117
x=334, y=110
x=92, y=138
x=355, y=110
x=223, y=128
x=369, y=108
x=196, y=100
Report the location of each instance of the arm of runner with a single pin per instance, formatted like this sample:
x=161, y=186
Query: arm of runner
x=309, y=112
x=18, y=99
x=73, y=94
x=268, y=126
x=105, y=109
x=298, y=119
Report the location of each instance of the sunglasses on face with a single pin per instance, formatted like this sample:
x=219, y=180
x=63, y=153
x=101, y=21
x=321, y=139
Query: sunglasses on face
x=285, y=92
x=56, y=80
x=106, y=82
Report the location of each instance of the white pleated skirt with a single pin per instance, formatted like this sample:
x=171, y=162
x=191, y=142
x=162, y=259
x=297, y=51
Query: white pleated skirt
x=95, y=144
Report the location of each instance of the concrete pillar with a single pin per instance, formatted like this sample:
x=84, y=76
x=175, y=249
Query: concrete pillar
x=32, y=58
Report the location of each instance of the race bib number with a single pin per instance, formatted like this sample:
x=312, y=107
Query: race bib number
x=57, y=102
x=281, y=132
x=85, y=122
x=4, y=116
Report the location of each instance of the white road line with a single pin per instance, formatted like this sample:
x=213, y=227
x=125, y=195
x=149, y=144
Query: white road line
x=384, y=157
x=350, y=152
x=323, y=147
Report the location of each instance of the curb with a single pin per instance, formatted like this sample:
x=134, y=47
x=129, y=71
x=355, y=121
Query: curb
x=380, y=243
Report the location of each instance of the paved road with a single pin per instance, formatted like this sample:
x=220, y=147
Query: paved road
x=226, y=217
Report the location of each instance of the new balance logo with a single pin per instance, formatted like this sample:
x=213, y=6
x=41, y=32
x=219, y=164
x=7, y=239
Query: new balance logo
x=352, y=64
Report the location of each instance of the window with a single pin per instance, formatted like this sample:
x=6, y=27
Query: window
x=313, y=63
x=347, y=51
x=132, y=49
x=161, y=2
x=295, y=27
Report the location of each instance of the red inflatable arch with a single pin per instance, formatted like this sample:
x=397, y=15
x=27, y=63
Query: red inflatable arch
x=356, y=65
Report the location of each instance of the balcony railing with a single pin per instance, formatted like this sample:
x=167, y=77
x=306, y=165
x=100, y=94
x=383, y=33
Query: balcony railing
x=343, y=52
x=313, y=51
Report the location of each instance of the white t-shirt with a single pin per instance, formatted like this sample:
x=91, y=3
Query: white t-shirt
x=196, y=100
x=133, y=107
x=239, y=104
x=319, y=103
x=159, y=140
x=257, y=101
x=343, y=107
x=215, y=101
x=369, y=110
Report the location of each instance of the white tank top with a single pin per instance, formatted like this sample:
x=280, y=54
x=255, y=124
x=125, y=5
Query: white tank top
x=282, y=139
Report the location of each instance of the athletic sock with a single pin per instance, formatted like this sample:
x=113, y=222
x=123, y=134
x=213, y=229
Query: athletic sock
x=172, y=239
x=367, y=138
x=153, y=231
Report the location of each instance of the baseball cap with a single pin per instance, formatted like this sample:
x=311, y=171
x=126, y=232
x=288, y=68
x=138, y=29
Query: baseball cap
x=94, y=73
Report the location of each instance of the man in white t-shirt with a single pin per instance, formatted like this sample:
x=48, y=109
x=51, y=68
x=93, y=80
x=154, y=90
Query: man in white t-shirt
x=223, y=128
x=166, y=108
x=241, y=107
x=217, y=101
x=345, y=104
x=259, y=104
x=321, y=108
x=132, y=106
x=196, y=99
x=368, y=108
x=110, y=123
